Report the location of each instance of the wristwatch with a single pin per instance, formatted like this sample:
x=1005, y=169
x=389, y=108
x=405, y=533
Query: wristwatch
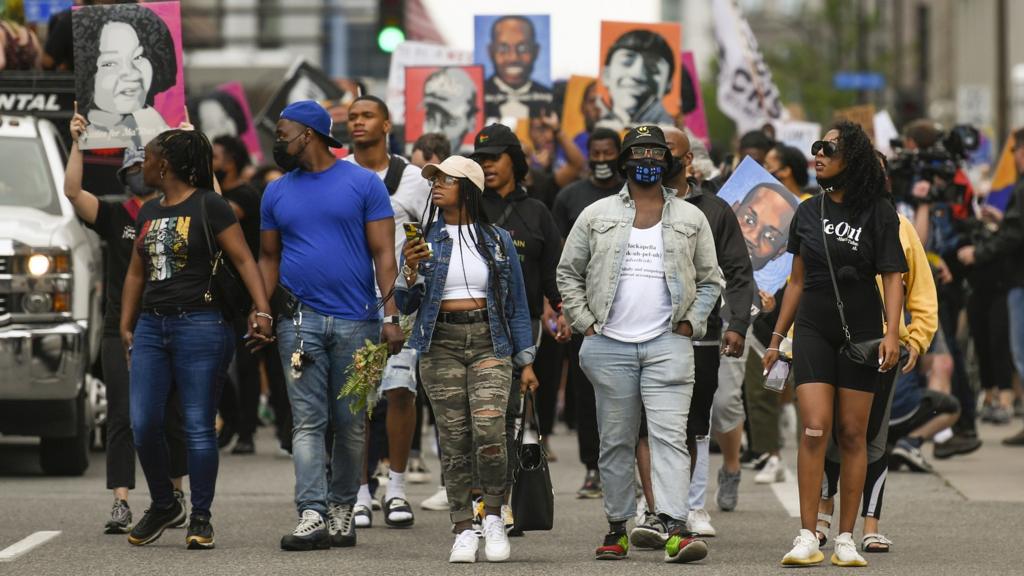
x=407, y=271
x=393, y=319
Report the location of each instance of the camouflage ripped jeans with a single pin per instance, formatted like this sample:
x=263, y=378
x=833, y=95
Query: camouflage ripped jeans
x=468, y=388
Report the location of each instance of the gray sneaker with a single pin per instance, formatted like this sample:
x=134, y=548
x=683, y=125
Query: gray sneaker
x=728, y=489
x=651, y=533
x=120, y=518
x=180, y=497
x=341, y=525
x=1002, y=415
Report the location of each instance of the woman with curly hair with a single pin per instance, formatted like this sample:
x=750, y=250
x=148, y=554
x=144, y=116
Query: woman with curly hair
x=859, y=224
x=124, y=57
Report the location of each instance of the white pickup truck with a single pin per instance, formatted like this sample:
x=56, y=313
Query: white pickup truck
x=51, y=283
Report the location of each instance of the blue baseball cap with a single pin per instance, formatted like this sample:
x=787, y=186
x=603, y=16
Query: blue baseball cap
x=313, y=116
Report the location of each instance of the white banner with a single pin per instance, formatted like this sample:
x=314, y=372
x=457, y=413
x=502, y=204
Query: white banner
x=800, y=135
x=746, y=92
x=417, y=54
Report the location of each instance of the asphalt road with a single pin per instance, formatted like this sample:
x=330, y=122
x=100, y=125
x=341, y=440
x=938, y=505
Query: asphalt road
x=936, y=529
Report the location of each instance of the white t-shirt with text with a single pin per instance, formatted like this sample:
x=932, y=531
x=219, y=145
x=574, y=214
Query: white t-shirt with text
x=642, y=308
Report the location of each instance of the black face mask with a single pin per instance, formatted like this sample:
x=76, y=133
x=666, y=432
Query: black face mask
x=837, y=182
x=136, y=185
x=284, y=159
x=602, y=171
x=646, y=171
x=677, y=167
x=221, y=175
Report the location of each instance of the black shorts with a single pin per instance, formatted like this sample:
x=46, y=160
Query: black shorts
x=932, y=404
x=818, y=335
x=705, y=366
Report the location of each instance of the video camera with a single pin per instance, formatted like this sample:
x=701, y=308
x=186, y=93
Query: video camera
x=937, y=164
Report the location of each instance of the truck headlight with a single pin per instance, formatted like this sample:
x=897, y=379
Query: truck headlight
x=37, y=303
x=38, y=264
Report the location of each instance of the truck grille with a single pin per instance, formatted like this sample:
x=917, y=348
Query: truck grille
x=5, y=264
x=4, y=299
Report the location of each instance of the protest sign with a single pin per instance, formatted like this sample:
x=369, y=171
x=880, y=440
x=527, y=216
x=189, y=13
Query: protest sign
x=581, y=109
x=417, y=54
x=515, y=51
x=863, y=115
x=640, y=68
x=128, y=72
x=444, y=99
x=225, y=112
x=303, y=81
x=800, y=135
x=692, y=101
x=764, y=208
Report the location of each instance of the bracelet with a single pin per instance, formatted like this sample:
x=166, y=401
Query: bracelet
x=779, y=335
x=267, y=316
x=774, y=350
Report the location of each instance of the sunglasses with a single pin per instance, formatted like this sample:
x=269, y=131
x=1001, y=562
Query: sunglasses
x=828, y=146
x=444, y=180
x=637, y=153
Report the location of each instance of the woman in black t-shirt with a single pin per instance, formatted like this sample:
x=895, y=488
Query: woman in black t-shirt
x=862, y=230
x=181, y=336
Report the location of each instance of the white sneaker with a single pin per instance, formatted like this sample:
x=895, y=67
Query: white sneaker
x=699, y=522
x=805, y=551
x=772, y=472
x=438, y=502
x=845, y=553
x=417, y=472
x=496, y=546
x=465, y=547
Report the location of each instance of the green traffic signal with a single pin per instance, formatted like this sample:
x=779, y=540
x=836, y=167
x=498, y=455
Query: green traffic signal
x=389, y=38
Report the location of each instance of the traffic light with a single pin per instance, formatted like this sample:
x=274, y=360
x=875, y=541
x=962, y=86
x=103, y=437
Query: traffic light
x=390, y=24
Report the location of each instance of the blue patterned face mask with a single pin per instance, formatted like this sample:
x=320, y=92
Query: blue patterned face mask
x=646, y=171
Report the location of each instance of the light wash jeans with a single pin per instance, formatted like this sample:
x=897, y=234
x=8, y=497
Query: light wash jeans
x=330, y=342
x=659, y=376
x=1015, y=303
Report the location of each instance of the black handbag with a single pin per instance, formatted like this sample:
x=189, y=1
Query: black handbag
x=864, y=352
x=533, y=500
x=225, y=286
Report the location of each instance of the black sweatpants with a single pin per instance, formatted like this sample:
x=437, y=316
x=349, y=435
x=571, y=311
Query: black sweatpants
x=586, y=408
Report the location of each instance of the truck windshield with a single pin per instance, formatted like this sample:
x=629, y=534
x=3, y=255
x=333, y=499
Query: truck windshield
x=25, y=177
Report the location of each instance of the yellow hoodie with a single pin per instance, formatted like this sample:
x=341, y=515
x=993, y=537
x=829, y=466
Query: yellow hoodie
x=919, y=289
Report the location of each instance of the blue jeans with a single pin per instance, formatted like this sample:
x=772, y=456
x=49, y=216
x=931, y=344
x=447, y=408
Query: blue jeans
x=1015, y=303
x=191, y=351
x=659, y=376
x=330, y=342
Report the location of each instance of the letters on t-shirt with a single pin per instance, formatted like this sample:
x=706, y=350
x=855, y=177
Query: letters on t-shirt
x=843, y=232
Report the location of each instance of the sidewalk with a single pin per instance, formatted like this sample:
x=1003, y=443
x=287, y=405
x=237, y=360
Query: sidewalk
x=994, y=473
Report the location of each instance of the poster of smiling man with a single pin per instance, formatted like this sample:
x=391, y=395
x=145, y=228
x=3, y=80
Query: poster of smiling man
x=515, y=51
x=128, y=72
x=764, y=208
x=444, y=99
x=640, y=67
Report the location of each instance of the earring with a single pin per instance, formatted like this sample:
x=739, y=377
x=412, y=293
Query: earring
x=161, y=175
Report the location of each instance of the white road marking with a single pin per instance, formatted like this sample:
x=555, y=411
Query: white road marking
x=788, y=494
x=25, y=544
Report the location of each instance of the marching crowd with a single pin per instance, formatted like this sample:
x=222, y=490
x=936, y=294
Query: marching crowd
x=511, y=262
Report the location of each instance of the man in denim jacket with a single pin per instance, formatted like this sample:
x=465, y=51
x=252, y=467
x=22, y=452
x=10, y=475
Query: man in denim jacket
x=638, y=277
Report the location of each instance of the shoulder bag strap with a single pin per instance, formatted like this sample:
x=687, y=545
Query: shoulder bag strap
x=509, y=207
x=211, y=244
x=393, y=178
x=831, y=272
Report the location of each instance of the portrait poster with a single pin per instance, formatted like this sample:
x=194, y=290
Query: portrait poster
x=764, y=209
x=444, y=99
x=692, y=101
x=129, y=78
x=639, y=73
x=225, y=112
x=303, y=81
x=417, y=54
x=580, y=109
x=515, y=51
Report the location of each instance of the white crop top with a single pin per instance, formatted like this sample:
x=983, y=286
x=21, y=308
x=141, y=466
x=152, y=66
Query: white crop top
x=467, y=270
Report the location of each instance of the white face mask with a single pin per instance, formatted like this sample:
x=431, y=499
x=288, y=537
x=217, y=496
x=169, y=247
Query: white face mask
x=602, y=170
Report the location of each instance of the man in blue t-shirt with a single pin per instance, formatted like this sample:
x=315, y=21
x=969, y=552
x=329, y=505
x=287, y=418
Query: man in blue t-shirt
x=326, y=227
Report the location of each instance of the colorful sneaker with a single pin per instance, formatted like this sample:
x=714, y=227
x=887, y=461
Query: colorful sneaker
x=772, y=472
x=438, y=502
x=845, y=553
x=478, y=513
x=591, y=488
x=728, y=490
x=200, y=533
x=464, y=550
x=180, y=497
x=341, y=525
x=310, y=534
x=615, y=547
x=120, y=518
x=699, y=523
x=805, y=551
x=153, y=524
x=650, y=534
x=682, y=547
x=509, y=521
x=496, y=546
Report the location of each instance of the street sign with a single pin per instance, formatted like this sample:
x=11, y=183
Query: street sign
x=39, y=11
x=858, y=81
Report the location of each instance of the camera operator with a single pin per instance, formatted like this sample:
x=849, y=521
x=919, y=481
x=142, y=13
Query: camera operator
x=932, y=191
x=1001, y=248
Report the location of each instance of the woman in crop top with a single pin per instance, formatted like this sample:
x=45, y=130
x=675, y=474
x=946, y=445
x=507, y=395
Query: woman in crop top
x=473, y=328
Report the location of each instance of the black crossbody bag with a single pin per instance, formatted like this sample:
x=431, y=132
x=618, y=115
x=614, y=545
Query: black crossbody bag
x=864, y=352
x=225, y=286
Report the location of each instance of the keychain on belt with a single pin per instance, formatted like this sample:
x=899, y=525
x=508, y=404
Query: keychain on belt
x=299, y=357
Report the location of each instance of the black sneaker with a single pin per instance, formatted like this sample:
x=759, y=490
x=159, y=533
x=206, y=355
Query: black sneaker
x=1015, y=440
x=960, y=443
x=650, y=534
x=180, y=497
x=120, y=518
x=154, y=522
x=905, y=453
x=615, y=547
x=200, y=533
x=591, y=486
x=309, y=534
x=244, y=446
x=341, y=525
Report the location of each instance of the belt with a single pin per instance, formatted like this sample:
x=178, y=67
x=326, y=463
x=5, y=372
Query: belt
x=464, y=317
x=176, y=310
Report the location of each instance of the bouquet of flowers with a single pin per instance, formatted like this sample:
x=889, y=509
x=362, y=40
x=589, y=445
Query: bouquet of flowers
x=364, y=375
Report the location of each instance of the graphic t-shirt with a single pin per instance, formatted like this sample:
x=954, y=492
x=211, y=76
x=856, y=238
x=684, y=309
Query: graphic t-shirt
x=172, y=243
x=861, y=246
x=642, y=307
x=321, y=217
x=115, y=224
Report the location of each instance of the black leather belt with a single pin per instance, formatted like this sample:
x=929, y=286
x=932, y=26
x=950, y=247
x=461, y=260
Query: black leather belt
x=466, y=317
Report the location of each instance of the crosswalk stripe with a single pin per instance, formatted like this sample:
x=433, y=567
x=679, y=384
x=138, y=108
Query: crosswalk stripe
x=788, y=494
x=25, y=544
